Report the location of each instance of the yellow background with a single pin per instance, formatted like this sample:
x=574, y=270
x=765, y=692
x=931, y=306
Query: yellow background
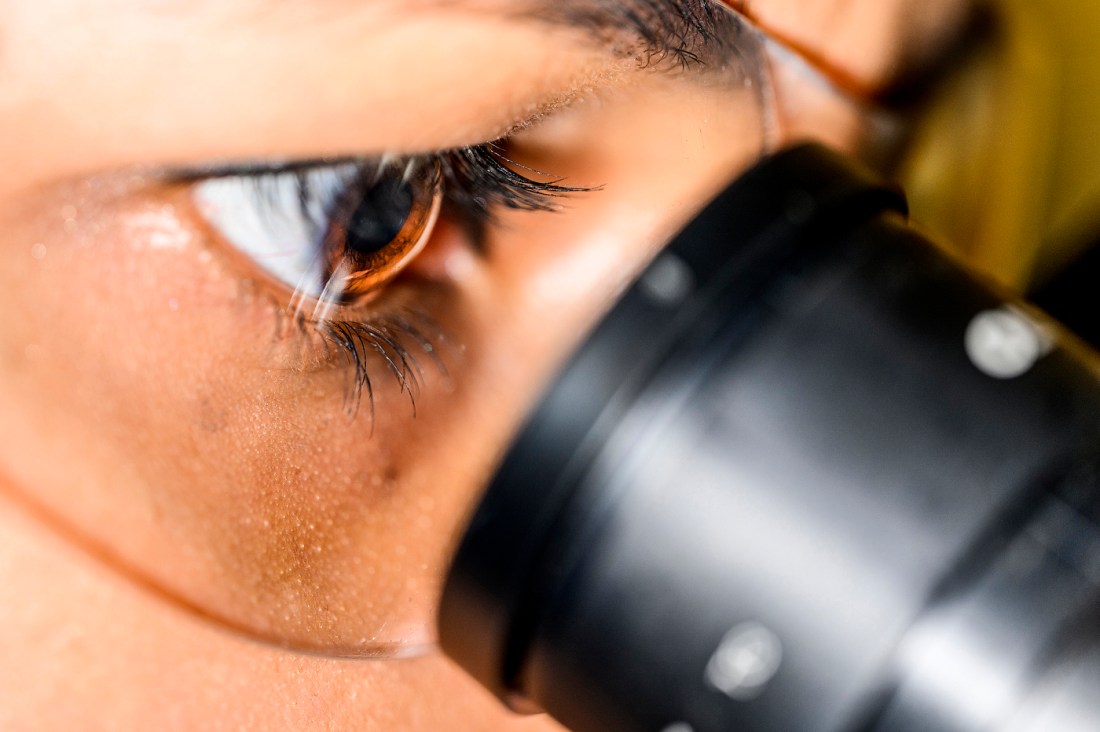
x=1005, y=163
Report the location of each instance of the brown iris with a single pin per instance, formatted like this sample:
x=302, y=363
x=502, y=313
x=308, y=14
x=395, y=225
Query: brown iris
x=377, y=229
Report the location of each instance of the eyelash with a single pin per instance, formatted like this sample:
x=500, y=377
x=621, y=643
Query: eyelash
x=479, y=179
x=476, y=182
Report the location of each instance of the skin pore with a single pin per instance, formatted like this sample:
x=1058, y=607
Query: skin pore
x=185, y=495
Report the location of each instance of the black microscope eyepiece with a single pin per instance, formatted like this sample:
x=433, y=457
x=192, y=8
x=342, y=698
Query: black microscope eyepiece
x=808, y=475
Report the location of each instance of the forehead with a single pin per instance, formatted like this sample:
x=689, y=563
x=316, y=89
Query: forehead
x=92, y=85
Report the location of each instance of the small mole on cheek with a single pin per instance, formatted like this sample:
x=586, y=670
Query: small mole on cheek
x=384, y=483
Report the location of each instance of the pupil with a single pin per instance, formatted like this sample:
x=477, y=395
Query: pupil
x=379, y=216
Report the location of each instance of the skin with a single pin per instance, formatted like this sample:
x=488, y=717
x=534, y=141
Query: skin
x=196, y=530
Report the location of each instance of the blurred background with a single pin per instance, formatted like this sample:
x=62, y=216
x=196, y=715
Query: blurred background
x=1005, y=158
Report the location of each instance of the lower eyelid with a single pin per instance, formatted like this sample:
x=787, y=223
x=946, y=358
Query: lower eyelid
x=405, y=334
x=398, y=341
x=221, y=288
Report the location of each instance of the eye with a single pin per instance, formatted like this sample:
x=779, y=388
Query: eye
x=335, y=233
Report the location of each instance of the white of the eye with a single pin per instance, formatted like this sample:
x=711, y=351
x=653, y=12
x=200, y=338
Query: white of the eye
x=277, y=220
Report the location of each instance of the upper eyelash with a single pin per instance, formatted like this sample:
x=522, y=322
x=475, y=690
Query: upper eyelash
x=477, y=180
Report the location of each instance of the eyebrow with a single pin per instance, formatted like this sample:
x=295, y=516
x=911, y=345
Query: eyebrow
x=683, y=32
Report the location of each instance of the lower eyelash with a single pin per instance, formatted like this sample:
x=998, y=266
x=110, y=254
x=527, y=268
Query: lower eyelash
x=395, y=336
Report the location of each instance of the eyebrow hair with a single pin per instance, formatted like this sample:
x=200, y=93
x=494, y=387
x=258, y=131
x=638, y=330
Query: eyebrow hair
x=685, y=32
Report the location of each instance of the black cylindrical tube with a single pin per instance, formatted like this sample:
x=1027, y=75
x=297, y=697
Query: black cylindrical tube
x=808, y=475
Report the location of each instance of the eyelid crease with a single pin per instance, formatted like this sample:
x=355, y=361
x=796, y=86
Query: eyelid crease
x=247, y=168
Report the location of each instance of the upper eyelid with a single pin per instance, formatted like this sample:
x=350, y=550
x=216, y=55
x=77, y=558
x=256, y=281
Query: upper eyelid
x=475, y=181
x=476, y=178
x=277, y=212
x=192, y=173
x=257, y=168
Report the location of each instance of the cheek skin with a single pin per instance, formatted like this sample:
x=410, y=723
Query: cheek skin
x=194, y=456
